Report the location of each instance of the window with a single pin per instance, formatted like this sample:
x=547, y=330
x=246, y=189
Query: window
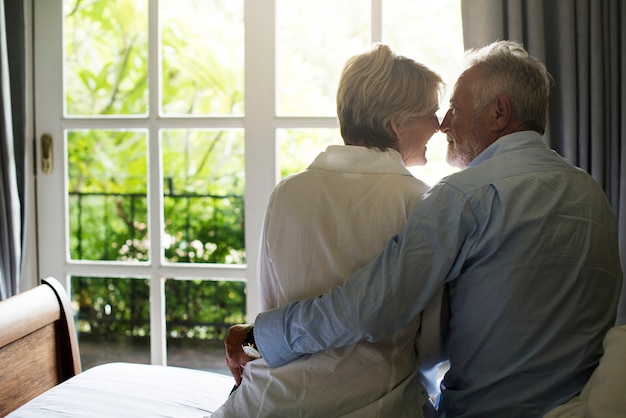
x=172, y=122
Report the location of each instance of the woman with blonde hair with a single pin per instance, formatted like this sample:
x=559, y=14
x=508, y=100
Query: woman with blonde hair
x=324, y=223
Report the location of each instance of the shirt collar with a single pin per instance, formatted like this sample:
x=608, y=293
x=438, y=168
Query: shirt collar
x=360, y=159
x=507, y=143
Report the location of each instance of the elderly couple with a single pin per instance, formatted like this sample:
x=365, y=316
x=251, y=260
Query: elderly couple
x=369, y=279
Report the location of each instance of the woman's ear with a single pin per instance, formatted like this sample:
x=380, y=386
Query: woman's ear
x=395, y=127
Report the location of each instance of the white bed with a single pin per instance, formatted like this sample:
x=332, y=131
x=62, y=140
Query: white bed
x=132, y=390
x=41, y=373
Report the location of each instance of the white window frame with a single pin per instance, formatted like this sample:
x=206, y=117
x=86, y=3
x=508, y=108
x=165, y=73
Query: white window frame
x=260, y=123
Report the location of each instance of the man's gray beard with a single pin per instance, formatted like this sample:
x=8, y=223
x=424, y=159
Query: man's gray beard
x=453, y=158
x=461, y=156
x=470, y=149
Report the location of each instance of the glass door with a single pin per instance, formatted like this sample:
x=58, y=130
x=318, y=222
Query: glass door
x=162, y=127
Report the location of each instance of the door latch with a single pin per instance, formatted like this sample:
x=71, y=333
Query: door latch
x=46, y=153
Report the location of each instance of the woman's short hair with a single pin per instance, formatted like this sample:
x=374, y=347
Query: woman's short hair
x=508, y=69
x=376, y=86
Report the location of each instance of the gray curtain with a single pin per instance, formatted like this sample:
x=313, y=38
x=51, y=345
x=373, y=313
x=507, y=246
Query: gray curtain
x=12, y=141
x=582, y=43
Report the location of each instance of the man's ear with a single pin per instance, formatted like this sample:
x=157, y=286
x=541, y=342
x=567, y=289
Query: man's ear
x=502, y=112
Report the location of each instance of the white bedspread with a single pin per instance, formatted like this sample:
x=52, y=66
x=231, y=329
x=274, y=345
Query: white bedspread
x=132, y=390
x=603, y=396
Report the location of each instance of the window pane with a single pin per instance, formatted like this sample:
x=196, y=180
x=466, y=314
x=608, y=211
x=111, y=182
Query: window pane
x=431, y=33
x=107, y=184
x=113, y=319
x=106, y=56
x=312, y=45
x=203, y=189
x=299, y=147
x=427, y=31
x=198, y=315
x=203, y=55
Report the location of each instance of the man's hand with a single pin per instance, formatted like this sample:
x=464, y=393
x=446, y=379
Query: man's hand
x=235, y=357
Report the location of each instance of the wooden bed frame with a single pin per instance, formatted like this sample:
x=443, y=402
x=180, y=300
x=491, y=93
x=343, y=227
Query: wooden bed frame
x=38, y=344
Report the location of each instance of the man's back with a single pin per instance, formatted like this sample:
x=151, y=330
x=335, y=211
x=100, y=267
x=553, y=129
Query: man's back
x=538, y=285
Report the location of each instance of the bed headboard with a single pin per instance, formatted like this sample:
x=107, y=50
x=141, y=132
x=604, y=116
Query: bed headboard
x=38, y=343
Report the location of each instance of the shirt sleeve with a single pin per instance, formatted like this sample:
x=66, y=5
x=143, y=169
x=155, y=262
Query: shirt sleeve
x=385, y=295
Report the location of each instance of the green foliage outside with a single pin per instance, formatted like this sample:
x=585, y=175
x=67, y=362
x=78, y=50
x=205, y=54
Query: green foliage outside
x=107, y=56
x=106, y=62
x=117, y=308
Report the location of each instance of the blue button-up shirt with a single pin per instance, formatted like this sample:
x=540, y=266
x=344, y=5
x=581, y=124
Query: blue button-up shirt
x=528, y=246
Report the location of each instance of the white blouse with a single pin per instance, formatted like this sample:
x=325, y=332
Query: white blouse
x=321, y=225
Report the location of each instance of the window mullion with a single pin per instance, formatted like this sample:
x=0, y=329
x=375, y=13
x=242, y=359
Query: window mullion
x=158, y=350
x=377, y=20
x=261, y=171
